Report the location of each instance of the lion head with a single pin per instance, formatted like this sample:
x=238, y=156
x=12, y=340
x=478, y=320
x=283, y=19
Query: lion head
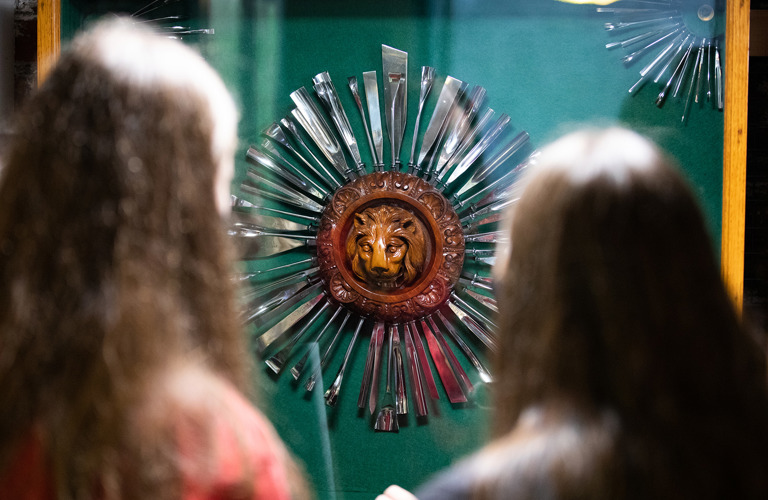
x=386, y=247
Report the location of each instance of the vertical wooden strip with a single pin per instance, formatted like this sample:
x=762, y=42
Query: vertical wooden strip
x=735, y=147
x=48, y=36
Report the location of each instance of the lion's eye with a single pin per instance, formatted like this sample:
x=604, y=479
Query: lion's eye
x=392, y=248
x=365, y=248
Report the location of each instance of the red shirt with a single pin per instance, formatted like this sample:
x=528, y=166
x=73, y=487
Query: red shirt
x=234, y=447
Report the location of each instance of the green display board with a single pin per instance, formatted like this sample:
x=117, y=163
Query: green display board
x=544, y=63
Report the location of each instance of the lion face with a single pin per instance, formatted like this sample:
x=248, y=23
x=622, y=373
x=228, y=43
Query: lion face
x=386, y=247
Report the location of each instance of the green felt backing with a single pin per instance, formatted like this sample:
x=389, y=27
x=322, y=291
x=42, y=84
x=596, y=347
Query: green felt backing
x=543, y=63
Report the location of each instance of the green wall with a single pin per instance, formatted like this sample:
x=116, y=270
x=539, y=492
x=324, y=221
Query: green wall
x=543, y=63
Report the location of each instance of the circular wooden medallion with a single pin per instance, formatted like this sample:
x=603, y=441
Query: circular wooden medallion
x=390, y=246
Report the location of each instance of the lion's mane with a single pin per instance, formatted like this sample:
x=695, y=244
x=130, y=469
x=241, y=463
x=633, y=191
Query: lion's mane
x=398, y=222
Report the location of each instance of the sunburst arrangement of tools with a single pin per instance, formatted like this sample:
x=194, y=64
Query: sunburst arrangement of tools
x=400, y=252
x=679, y=44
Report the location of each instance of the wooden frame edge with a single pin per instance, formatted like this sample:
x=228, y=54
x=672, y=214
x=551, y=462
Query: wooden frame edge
x=735, y=147
x=48, y=36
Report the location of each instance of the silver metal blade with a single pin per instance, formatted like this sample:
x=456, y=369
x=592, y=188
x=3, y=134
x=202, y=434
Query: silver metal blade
x=311, y=380
x=395, y=61
x=365, y=384
x=277, y=361
x=307, y=114
x=298, y=368
x=276, y=164
x=483, y=318
x=374, y=113
x=279, y=192
x=269, y=221
x=267, y=304
x=427, y=79
x=500, y=236
x=276, y=331
x=485, y=376
x=415, y=371
x=315, y=188
x=271, y=286
x=473, y=326
x=379, y=342
x=328, y=95
x=422, y=357
x=353, y=87
x=332, y=394
x=493, y=210
x=288, y=125
x=455, y=365
x=401, y=397
x=238, y=202
x=476, y=281
x=450, y=382
x=461, y=152
x=396, y=81
x=249, y=230
x=462, y=128
x=508, y=151
x=488, y=302
x=484, y=143
x=445, y=102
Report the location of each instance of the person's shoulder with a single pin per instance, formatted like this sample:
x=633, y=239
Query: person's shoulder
x=453, y=483
x=545, y=453
x=205, y=396
x=223, y=439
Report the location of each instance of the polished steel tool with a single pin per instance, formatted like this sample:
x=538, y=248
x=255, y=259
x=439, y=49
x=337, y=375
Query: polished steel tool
x=427, y=79
x=298, y=368
x=353, y=87
x=365, y=385
x=401, y=398
x=290, y=315
x=442, y=110
x=324, y=360
x=422, y=356
x=326, y=91
x=374, y=394
x=395, y=62
x=240, y=202
x=277, y=361
x=485, y=375
x=455, y=365
x=332, y=394
x=289, y=127
x=479, y=331
x=415, y=373
x=374, y=113
x=450, y=382
x=386, y=420
x=310, y=118
x=276, y=133
x=459, y=132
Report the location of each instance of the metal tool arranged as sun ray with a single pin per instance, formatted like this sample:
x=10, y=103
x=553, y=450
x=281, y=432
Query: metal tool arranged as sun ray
x=676, y=43
x=166, y=19
x=393, y=252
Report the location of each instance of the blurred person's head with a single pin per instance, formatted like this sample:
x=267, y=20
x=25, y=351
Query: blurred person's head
x=113, y=256
x=612, y=301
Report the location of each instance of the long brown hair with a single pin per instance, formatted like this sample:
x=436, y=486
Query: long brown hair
x=613, y=302
x=113, y=257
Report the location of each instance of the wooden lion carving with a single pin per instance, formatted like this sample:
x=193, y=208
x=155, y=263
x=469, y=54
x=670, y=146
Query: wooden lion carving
x=386, y=247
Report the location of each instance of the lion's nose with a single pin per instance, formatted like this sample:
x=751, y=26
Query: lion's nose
x=378, y=263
